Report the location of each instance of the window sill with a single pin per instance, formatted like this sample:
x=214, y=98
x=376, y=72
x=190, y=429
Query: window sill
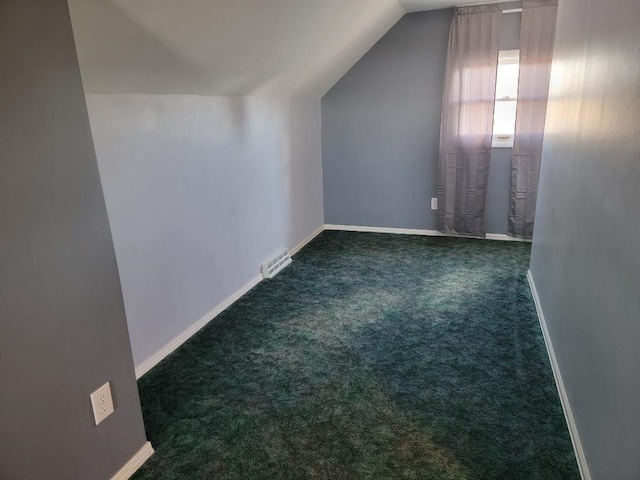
x=501, y=145
x=497, y=142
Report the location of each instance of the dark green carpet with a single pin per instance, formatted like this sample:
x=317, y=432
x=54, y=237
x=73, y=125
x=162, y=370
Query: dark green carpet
x=372, y=356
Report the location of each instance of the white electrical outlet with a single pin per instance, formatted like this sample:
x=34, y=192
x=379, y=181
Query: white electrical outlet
x=102, y=403
x=434, y=203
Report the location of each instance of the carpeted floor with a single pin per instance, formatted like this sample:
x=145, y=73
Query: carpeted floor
x=371, y=356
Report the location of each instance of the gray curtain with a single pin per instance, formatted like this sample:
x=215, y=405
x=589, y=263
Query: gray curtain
x=536, y=49
x=467, y=119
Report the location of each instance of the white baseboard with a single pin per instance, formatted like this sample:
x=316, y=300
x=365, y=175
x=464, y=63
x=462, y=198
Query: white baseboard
x=157, y=357
x=564, y=399
x=505, y=238
x=160, y=355
x=134, y=463
x=400, y=231
x=313, y=235
x=415, y=231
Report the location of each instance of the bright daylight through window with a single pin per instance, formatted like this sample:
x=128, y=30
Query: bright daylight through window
x=504, y=113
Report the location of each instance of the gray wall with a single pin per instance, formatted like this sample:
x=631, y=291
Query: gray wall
x=200, y=191
x=62, y=325
x=585, y=260
x=381, y=128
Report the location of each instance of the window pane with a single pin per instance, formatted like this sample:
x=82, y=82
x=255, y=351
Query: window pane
x=507, y=81
x=504, y=118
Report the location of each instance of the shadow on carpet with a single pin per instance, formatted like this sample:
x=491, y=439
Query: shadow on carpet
x=371, y=356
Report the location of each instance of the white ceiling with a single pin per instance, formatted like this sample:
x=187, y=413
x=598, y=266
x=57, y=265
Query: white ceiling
x=293, y=48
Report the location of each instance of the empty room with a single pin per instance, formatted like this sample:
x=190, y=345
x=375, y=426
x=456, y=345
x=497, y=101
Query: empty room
x=319, y=239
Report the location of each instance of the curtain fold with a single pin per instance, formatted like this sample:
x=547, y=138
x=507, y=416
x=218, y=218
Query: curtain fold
x=467, y=119
x=537, y=33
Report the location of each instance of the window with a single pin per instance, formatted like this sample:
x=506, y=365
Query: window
x=504, y=112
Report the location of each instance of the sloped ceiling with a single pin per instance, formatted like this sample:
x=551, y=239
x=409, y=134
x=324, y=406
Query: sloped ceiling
x=293, y=48
x=224, y=47
x=421, y=5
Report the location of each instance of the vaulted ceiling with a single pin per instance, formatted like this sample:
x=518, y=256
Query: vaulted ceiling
x=294, y=48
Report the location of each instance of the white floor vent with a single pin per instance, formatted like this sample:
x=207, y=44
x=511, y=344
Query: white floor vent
x=272, y=266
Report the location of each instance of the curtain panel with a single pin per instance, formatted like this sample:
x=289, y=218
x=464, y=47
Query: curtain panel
x=537, y=34
x=467, y=119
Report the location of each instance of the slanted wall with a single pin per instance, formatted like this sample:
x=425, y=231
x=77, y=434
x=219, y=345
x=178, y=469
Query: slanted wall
x=63, y=331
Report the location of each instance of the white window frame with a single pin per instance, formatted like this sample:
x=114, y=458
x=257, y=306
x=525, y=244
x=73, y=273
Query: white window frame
x=501, y=139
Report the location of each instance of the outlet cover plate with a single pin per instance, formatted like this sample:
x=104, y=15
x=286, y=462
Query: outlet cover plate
x=434, y=203
x=102, y=403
